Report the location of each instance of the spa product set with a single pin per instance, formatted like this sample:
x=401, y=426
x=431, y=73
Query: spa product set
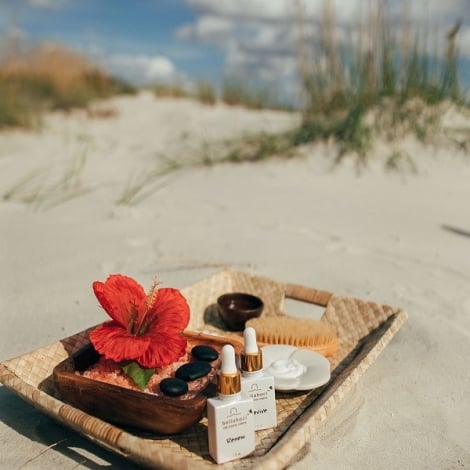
x=245, y=402
x=143, y=368
x=148, y=371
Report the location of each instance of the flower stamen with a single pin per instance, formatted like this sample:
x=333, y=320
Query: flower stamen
x=142, y=327
x=152, y=293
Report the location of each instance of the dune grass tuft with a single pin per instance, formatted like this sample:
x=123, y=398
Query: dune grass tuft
x=385, y=71
x=382, y=82
x=49, y=186
x=50, y=77
x=252, y=95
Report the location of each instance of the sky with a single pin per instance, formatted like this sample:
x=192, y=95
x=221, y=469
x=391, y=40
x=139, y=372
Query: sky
x=147, y=41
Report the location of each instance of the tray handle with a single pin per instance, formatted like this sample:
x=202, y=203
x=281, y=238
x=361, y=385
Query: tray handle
x=307, y=294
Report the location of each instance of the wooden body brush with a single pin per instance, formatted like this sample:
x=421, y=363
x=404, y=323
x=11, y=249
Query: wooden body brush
x=299, y=332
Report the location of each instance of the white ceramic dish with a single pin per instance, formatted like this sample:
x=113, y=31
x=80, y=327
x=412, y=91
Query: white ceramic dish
x=295, y=369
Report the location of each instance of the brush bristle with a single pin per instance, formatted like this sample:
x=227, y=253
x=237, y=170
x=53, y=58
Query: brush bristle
x=298, y=332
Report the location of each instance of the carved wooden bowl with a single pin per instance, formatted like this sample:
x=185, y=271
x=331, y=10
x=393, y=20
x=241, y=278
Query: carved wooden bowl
x=236, y=308
x=119, y=405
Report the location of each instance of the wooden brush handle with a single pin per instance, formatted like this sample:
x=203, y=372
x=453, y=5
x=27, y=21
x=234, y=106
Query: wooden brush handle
x=307, y=294
x=234, y=339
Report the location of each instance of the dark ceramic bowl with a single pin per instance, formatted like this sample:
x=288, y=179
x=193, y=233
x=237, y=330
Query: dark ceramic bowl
x=161, y=414
x=237, y=308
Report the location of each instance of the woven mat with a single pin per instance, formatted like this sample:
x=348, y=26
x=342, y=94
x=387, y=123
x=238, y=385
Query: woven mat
x=364, y=329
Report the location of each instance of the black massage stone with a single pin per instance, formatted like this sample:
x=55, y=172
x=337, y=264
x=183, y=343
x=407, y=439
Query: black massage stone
x=193, y=370
x=173, y=387
x=204, y=353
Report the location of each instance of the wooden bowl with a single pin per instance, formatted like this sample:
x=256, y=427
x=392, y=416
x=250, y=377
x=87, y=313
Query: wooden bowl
x=119, y=405
x=236, y=308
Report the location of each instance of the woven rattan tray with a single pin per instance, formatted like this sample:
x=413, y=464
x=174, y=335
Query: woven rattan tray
x=364, y=329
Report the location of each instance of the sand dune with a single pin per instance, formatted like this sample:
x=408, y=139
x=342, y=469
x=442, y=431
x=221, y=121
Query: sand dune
x=398, y=238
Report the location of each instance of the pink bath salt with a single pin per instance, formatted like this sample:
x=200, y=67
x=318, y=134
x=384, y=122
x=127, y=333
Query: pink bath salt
x=108, y=371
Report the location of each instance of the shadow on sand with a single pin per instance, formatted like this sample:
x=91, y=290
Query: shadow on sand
x=457, y=231
x=32, y=424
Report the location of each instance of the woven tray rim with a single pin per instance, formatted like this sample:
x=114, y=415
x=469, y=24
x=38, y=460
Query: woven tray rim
x=286, y=446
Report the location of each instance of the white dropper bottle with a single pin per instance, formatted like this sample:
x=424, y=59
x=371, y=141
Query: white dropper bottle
x=230, y=420
x=257, y=383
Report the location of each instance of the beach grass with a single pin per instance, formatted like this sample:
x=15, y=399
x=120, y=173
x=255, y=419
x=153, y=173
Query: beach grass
x=252, y=94
x=141, y=185
x=205, y=92
x=383, y=82
x=170, y=90
x=50, y=77
x=234, y=91
x=49, y=186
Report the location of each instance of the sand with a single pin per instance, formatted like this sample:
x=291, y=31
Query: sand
x=400, y=238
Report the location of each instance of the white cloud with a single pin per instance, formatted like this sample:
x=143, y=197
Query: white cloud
x=141, y=68
x=260, y=37
x=257, y=41
x=254, y=9
x=207, y=28
x=138, y=69
x=345, y=10
x=159, y=68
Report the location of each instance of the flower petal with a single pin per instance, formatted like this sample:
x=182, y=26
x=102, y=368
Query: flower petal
x=171, y=312
x=119, y=296
x=115, y=343
x=162, y=350
x=171, y=316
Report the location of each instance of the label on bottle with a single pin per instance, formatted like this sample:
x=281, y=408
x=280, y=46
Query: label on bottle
x=261, y=390
x=231, y=429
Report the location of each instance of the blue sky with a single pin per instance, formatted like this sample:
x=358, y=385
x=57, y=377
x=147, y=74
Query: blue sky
x=114, y=31
x=155, y=40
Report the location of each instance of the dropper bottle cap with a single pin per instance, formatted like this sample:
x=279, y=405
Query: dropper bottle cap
x=251, y=359
x=229, y=377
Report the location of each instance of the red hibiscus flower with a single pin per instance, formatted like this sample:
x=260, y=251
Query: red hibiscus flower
x=144, y=327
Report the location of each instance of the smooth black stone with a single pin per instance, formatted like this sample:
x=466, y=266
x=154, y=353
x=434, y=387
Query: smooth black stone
x=204, y=353
x=173, y=387
x=193, y=370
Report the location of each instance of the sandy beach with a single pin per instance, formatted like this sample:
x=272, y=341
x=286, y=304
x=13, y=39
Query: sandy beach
x=400, y=238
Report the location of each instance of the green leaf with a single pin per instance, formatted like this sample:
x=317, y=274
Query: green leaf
x=139, y=375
